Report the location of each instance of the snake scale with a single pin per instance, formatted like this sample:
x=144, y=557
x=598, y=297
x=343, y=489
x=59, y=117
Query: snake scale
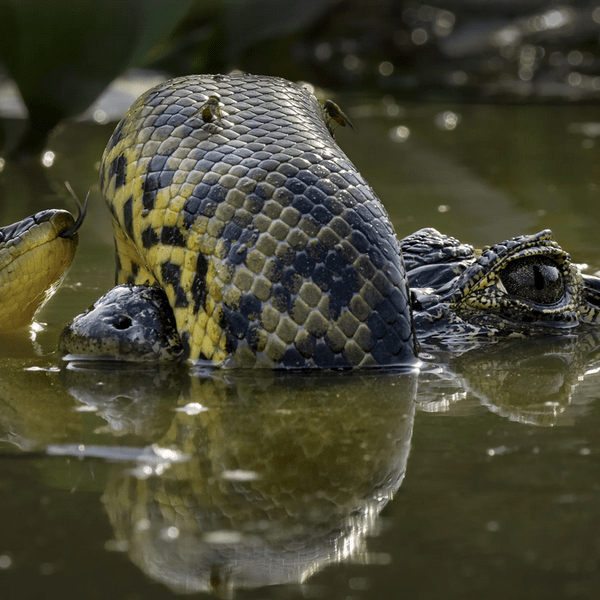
x=231, y=194
x=35, y=255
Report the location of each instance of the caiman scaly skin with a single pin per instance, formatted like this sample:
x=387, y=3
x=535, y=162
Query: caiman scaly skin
x=523, y=286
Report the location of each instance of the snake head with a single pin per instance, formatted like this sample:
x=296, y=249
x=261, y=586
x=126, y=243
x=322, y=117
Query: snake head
x=35, y=255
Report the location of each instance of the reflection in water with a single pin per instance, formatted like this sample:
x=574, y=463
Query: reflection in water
x=544, y=174
x=529, y=380
x=223, y=480
x=35, y=410
x=286, y=474
x=135, y=400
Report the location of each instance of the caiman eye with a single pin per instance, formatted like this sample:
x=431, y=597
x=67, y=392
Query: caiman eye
x=534, y=278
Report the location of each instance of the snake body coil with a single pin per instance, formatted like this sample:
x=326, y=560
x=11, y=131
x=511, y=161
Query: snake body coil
x=271, y=247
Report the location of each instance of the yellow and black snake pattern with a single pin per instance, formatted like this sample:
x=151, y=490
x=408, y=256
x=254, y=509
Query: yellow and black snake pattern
x=231, y=194
x=35, y=255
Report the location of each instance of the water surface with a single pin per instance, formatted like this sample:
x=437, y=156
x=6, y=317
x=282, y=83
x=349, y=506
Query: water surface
x=476, y=476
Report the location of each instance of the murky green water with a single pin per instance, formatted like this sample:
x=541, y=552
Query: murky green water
x=476, y=478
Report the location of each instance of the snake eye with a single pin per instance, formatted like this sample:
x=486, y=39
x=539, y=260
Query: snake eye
x=534, y=278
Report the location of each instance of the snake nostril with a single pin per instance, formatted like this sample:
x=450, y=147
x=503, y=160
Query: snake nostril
x=122, y=322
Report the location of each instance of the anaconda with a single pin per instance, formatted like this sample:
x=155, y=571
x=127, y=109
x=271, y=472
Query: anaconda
x=35, y=255
x=271, y=247
x=230, y=195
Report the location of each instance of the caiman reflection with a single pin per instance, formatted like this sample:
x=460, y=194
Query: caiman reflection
x=240, y=481
x=531, y=381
